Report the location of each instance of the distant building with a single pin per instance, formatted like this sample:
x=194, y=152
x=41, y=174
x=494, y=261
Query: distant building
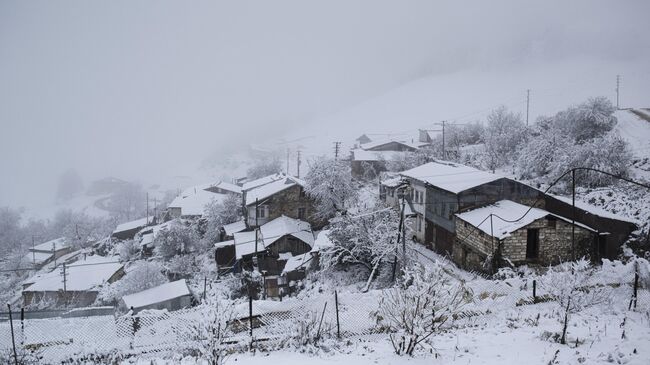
x=44, y=253
x=192, y=202
x=171, y=296
x=128, y=230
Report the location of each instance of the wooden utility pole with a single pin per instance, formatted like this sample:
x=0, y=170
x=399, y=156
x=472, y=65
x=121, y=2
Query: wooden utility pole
x=288, y=151
x=147, y=208
x=443, y=139
x=337, y=146
x=298, y=165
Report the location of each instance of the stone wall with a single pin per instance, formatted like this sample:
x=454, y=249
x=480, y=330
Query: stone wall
x=288, y=202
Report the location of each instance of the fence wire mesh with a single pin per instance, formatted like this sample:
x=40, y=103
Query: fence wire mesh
x=273, y=322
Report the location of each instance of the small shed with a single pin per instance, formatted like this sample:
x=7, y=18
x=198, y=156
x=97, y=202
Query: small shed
x=128, y=230
x=171, y=296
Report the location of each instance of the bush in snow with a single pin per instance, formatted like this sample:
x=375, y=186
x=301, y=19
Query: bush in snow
x=367, y=240
x=219, y=213
x=570, y=287
x=177, y=239
x=330, y=183
x=504, y=133
x=422, y=302
x=128, y=250
x=211, y=332
x=585, y=121
x=142, y=276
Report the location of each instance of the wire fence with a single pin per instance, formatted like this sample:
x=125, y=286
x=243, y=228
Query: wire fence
x=262, y=323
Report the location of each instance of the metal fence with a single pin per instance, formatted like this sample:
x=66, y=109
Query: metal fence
x=259, y=323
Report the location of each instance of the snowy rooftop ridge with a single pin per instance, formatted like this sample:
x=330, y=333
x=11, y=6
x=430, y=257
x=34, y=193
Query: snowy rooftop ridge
x=194, y=201
x=594, y=210
x=52, y=245
x=262, y=192
x=450, y=176
x=235, y=227
x=282, y=226
x=261, y=181
x=508, y=210
x=363, y=155
x=385, y=141
x=133, y=224
x=228, y=186
x=157, y=294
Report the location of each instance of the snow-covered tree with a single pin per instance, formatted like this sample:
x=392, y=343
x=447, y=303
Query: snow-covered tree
x=570, y=285
x=79, y=228
x=424, y=300
x=212, y=331
x=264, y=166
x=219, y=213
x=409, y=160
x=368, y=240
x=177, y=239
x=141, y=276
x=330, y=183
x=502, y=136
x=128, y=250
x=588, y=120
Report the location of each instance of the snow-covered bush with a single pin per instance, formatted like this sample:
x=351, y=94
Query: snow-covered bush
x=330, y=183
x=422, y=302
x=128, y=250
x=588, y=120
x=409, y=160
x=570, y=286
x=264, y=167
x=367, y=240
x=142, y=276
x=219, y=213
x=212, y=330
x=504, y=133
x=177, y=239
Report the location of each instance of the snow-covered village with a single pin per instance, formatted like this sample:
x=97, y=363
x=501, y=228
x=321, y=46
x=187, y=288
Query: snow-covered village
x=355, y=182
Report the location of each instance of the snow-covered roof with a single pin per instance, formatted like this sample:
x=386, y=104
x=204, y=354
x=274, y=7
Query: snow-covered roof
x=261, y=181
x=52, y=245
x=228, y=186
x=245, y=244
x=382, y=142
x=233, y=228
x=282, y=226
x=138, y=223
x=37, y=258
x=147, y=239
x=297, y=262
x=81, y=276
x=511, y=211
x=322, y=240
x=267, y=190
x=450, y=176
x=594, y=210
x=224, y=244
x=158, y=294
x=392, y=183
x=193, y=202
x=361, y=155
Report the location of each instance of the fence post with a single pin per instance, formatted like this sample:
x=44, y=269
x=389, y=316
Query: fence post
x=13, y=340
x=336, y=303
x=250, y=317
x=22, y=326
x=534, y=291
x=205, y=286
x=321, y=322
x=636, y=282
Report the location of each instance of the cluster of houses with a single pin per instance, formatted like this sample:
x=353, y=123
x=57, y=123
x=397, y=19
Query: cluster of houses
x=481, y=220
x=484, y=221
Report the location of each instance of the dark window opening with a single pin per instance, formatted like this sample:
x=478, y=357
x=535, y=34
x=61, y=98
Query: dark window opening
x=532, y=244
x=551, y=222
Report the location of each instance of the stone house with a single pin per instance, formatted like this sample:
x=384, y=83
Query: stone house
x=516, y=234
x=284, y=196
x=441, y=189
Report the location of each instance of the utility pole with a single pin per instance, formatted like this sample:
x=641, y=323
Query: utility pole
x=54, y=252
x=147, y=208
x=443, y=139
x=65, y=288
x=33, y=252
x=337, y=146
x=298, y=165
x=618, y=85
x=527, y=105
x=288, y=149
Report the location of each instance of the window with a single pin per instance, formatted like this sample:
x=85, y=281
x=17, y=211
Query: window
x=262, y=211
x=301, y=213
x=302, y=193
x=551, y=222
x=532, y=244
x=419, y=223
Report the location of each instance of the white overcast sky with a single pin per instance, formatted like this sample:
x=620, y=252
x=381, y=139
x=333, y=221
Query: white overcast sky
x=133, y=88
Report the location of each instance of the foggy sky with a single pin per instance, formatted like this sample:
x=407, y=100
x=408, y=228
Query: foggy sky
x=140, y=89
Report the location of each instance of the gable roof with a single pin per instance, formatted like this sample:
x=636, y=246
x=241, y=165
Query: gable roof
x=450, y=176
x=283, y=226
x=510, y=211
x=261, y=181
x=363, y=155
x=262, y=192
x=192, y=201
x=158, y=294
x=234, y=227
x=81, y=276
x=378, y=143
x=236, y=189
x=52, y=245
